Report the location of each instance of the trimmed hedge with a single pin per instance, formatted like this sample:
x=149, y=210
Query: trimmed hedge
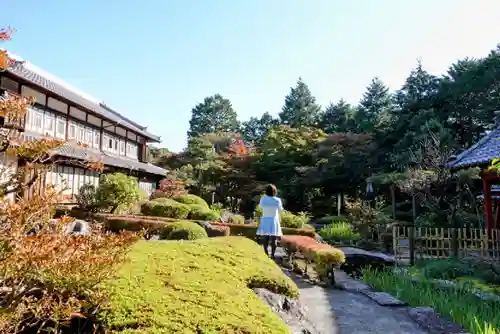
x=190, y=199
x=200, y=212
x=118, y=223
x=164, y=207
x=182, y=230
x=325, y=257
x=250, y=230
x=235, y=219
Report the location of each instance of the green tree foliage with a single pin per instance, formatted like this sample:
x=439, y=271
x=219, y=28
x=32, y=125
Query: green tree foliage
x=255, y=129
x=300, y=108
x=313, y=155
x=118, y=191
x=215, y=114
x=337, y=117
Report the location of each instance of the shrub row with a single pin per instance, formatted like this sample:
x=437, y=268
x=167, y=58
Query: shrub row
x=154, y=225
x=324, y=256
x=166, y=207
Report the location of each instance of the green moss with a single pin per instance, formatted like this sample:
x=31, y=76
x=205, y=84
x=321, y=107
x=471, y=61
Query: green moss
x=195, y=286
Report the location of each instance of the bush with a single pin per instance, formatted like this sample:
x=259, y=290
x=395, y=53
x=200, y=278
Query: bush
x=163, y=207
x=339, y=233
x=118, y=223
x=325, y=257
x=218, y=231
x=191, y=199
x=196, y=292
x=235, y=219
x=250, y=230
x=201, y=212
x=87, y=197
x=182, y=230
x=332, y=220
x=118, y=192
x=288, y=219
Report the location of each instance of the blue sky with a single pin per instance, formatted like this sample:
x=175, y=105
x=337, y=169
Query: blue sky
x=153, y=60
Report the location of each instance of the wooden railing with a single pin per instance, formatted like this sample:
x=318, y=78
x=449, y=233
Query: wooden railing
x=413, y=243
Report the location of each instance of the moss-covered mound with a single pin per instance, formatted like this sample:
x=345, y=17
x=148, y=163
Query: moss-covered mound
x=200, y=286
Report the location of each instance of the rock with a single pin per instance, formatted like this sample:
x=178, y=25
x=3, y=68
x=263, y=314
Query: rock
x=357, y=259
x=289, y=310
x=383, y=298
x=430, y=320
x=77, y=227
x=205, y=225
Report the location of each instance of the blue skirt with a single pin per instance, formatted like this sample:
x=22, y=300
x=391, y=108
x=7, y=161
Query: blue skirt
x=269, y=226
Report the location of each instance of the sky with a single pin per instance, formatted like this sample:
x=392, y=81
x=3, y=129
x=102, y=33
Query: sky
x=154, y=60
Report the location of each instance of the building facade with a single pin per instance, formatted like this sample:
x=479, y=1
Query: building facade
x=91, y=130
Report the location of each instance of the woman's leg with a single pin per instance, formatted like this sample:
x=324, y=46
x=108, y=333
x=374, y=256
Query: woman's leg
x=265, y=243
x=273, y=245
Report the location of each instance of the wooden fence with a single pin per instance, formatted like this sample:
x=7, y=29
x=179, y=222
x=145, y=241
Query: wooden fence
x=413, y=243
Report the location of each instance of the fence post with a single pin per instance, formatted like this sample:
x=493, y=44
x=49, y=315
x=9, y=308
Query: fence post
x=411, y=244
x=454, y=242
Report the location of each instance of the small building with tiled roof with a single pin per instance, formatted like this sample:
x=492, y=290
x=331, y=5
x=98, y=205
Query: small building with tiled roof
x=481, y=155
x=91, y=130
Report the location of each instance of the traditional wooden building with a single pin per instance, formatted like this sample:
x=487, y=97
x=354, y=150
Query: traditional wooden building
x=92, y=130
x=481, y=155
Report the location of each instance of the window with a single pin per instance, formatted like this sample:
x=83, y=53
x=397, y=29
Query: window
x=49, y=122
x=38, y=121
x=110, y=144
x=80, y=133
x=97, y=138
x=122, y=147
x=61, y=127
x=72, y=130
x=88, y=136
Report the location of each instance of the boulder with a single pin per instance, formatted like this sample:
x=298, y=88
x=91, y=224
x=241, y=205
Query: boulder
x=357, y=259
x=289, y=310
x=77, y=227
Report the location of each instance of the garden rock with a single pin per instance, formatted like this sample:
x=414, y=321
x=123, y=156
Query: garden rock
x=430, y=320
x=205, y=225
x=383, y=298
x=77, y=227
x=289, y=310
x=357, y=258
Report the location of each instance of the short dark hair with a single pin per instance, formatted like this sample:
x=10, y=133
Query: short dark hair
x=271, y=190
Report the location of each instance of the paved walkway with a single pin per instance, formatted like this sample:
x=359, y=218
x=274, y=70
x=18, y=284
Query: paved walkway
x=336, y=311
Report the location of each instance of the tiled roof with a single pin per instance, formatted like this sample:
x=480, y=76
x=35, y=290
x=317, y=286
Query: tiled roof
x=74, y=151
x=113, y=116
x=485, y=150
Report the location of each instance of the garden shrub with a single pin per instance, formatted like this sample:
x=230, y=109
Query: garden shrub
x=201, y=212
x=325, y=257
x=182, y=230
x=218, y=231
x=165, y=207
x=118, y=223
x=117, y=192
x=339, y=233
x=234, y=218
x=250, y=230
x=87, y=197
x=332, y=220
x=191, y=199
x=184, y=287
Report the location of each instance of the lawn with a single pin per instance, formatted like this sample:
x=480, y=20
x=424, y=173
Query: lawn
x=199, y=286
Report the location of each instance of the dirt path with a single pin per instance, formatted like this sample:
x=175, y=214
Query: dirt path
x=336, y=311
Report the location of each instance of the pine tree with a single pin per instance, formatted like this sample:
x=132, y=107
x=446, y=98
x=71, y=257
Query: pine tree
x=300, y=108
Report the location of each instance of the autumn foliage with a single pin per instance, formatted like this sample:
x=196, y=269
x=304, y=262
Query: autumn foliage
x=48, y=279
x=170, y=187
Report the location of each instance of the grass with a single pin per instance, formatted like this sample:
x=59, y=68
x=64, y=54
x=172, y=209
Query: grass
x=464, y=308
x=341, y=232
x=199, y=286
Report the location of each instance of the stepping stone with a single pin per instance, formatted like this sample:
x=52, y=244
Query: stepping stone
x=352, y=285
x=430, y=320
x=383, y=298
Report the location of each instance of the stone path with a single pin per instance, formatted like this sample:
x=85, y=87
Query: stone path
x=342, y=312
x=336, y=311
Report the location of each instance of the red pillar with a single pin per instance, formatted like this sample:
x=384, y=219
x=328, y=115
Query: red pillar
x=488, y=210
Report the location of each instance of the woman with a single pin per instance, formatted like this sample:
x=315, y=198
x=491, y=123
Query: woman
x=269, y=227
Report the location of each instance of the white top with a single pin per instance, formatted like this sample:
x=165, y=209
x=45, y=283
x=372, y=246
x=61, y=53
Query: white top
x=271, y=206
